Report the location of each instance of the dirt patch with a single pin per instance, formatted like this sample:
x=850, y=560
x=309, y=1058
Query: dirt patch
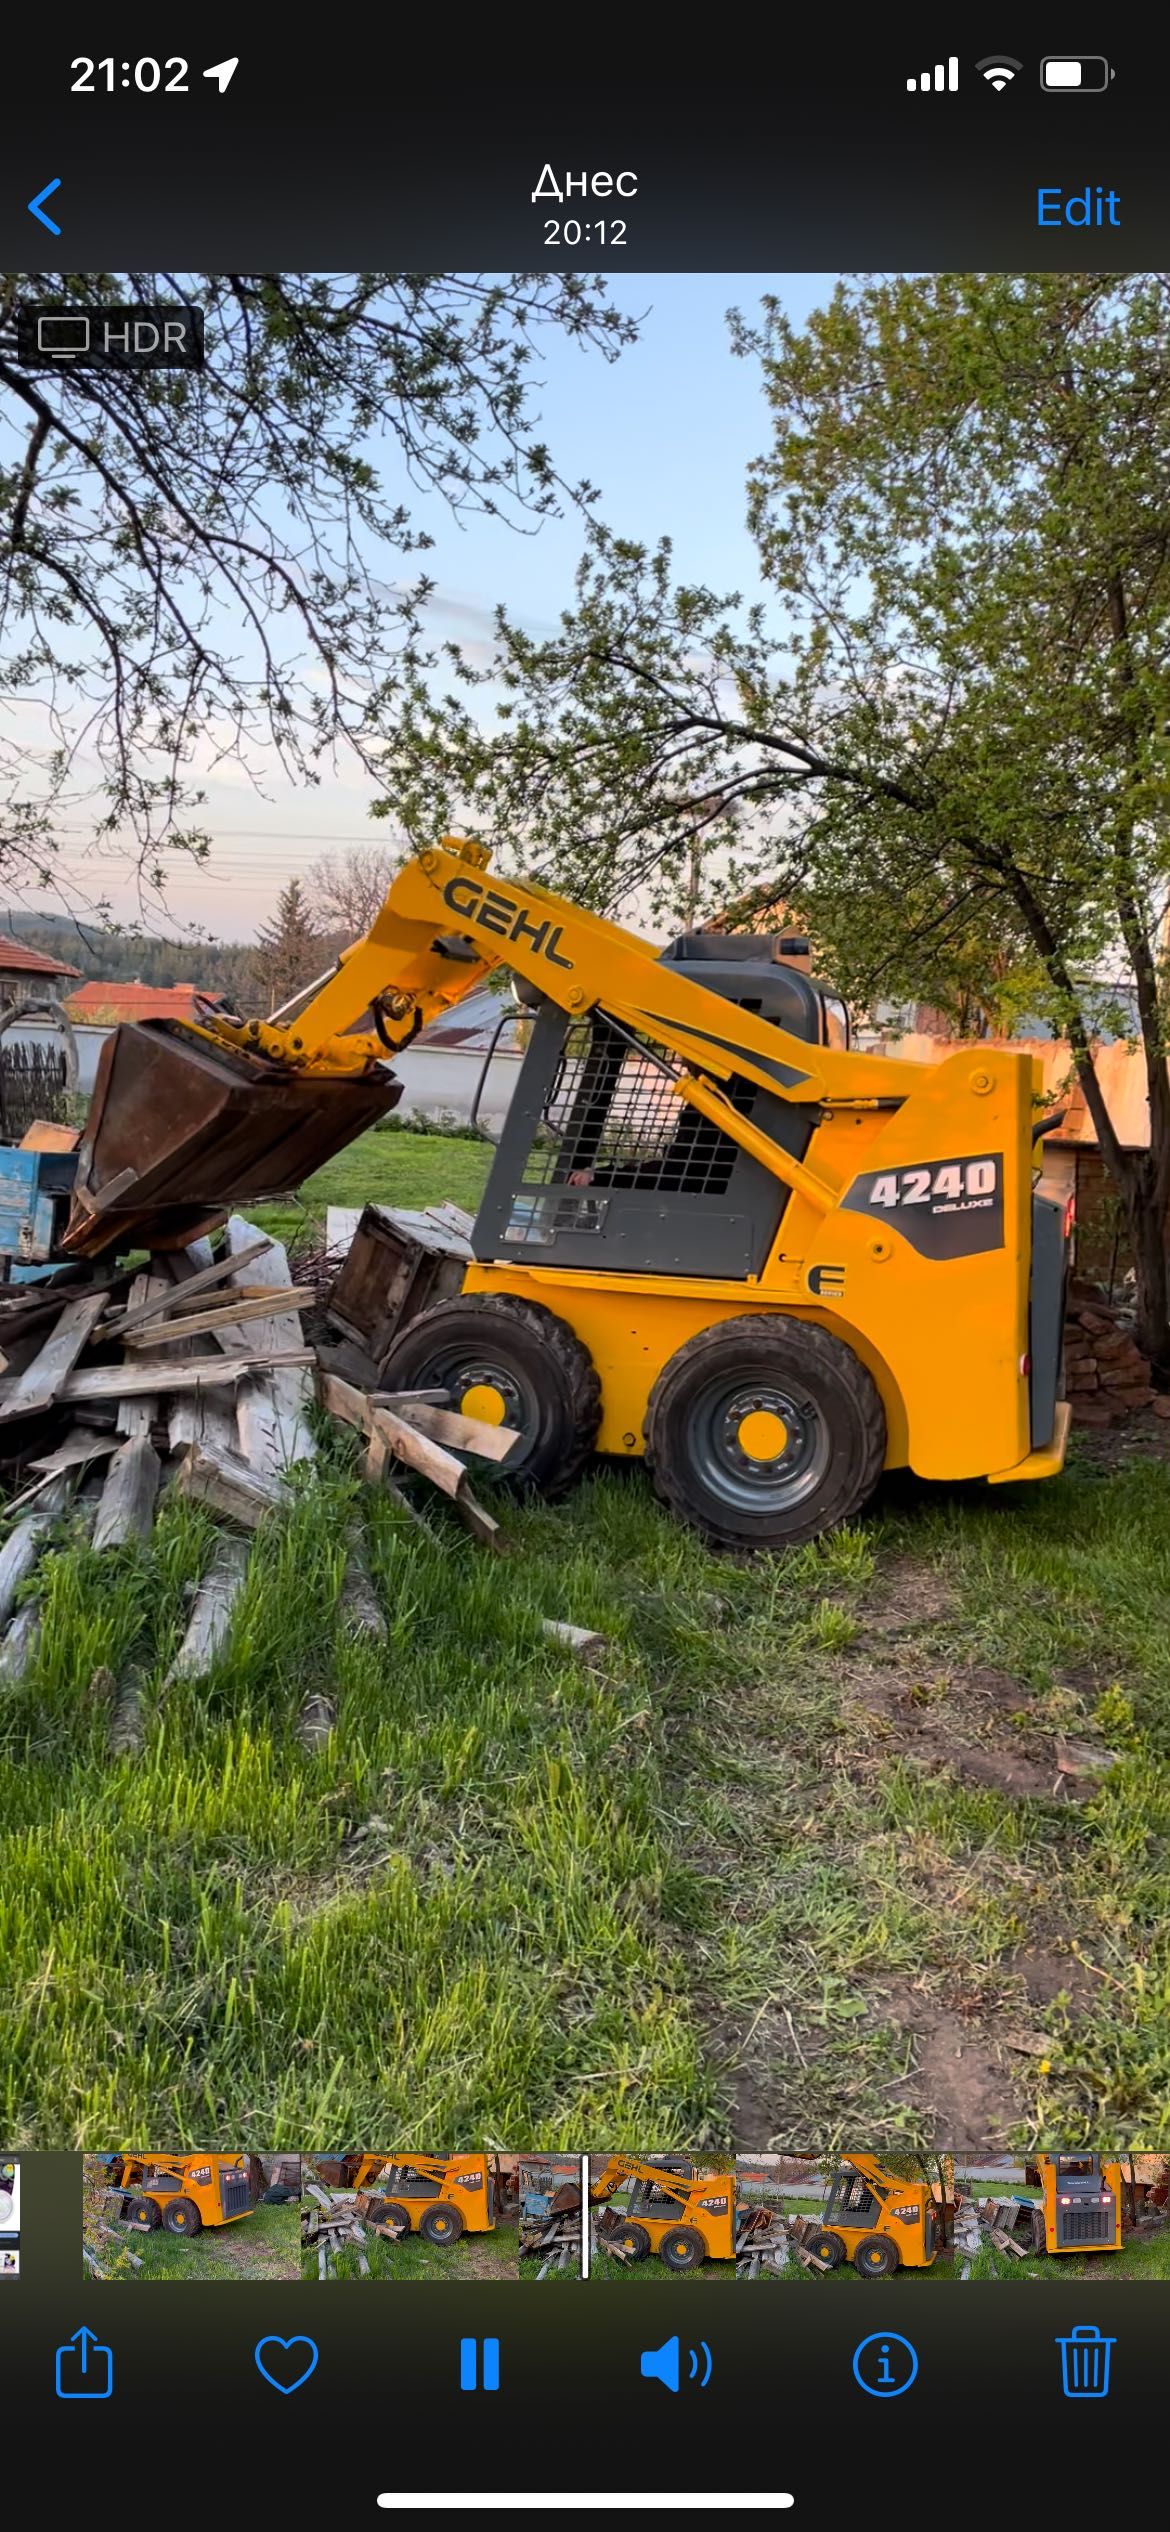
x=964, y=2090
x=491, y=2256
x=979, y=1723
x=910, y=1597
x=1047, y=1975
x=763, y=2120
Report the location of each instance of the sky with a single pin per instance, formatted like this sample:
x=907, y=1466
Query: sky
x=666, y=432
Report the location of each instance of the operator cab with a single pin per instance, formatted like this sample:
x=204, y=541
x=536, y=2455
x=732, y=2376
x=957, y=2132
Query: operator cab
x=602, y=1165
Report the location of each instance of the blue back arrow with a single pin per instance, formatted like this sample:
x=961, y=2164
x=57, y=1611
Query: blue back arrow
x=35, y=206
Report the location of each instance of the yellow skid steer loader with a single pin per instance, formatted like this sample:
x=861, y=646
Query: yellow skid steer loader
x=714, y=1235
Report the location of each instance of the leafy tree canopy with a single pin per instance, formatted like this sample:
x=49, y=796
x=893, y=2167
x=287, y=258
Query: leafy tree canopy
x=939, y=729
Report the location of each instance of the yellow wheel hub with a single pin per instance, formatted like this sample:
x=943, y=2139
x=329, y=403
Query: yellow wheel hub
x=763, y=1435
x=484, y=1403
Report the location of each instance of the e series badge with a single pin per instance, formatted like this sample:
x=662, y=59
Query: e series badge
x=164, y=337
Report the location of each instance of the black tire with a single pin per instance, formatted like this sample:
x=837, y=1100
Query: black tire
x=827, y=2246
x=809, y=1388
x=543, y=1373
x=390, y=2211
x=682, y=2248
x=1039, y=2229
x=181, y=2215
x=143, y=2214
x=876, y=2256
x=441, y=2224
x=632, y=2238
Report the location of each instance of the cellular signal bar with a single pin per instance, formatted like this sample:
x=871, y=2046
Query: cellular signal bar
x=944, y=75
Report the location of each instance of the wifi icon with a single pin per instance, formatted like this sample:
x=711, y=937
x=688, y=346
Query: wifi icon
x=998, y=69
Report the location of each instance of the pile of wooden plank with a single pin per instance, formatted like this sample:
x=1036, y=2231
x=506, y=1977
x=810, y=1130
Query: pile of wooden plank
x=550, y=2218
x=769, y=2240
x=1008, y=2223
x=191, y=1372
x=338, y=2217
x=415, y=1430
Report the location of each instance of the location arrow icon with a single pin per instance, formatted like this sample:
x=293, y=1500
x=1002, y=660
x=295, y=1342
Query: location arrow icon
x=222, y=71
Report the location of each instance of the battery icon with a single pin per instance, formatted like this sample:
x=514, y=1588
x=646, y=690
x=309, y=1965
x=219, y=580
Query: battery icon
x=1075, y=74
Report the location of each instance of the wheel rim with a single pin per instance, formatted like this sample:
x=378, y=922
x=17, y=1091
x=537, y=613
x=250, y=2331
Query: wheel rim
x=759, y=1447
x=488, y=1390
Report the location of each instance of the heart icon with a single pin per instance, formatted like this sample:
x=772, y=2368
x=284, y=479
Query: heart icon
x=277, y=2359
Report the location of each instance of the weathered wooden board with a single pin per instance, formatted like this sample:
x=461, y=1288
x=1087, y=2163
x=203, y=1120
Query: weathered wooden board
x=459, y=1432
x=175, y=1290
x=27, y=1541
x=126, y=1510
x=272, y=1418
x=416, y=1450
x=228, y=1484
x=223, y=1321
x=45, y=1377
x=137, y=1415
x=138, y=1380
x=211, y=1613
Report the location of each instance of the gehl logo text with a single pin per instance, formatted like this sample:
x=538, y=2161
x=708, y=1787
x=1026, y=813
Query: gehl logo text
x=494, y=912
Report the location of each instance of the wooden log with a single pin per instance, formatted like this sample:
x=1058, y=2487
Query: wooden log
x=576, y=1639
x=360, y=1608
x=127, y=1727
x=228, y=1484
x=126, y=1510
x=46, y=1376
x=224, y=1321
x=18, y=1649
x=316, y=1721
x=29, y=1539
x=169, y=1295
x=211, y=1614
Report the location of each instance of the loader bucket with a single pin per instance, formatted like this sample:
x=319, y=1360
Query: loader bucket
x=179, y=1131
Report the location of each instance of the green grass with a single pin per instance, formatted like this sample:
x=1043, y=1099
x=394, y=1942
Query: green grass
x=397, y=1168
x=486, y=2258
x=759, y=1877
x=263, y=2244
x=1134, y=2261
x=652, y=2272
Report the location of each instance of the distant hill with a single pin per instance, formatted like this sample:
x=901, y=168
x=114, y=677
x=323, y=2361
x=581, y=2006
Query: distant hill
x=124, y=957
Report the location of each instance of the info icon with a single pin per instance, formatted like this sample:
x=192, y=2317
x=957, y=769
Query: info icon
x=885, y=2364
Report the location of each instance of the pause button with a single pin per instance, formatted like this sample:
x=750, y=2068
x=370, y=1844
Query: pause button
x=479, y=2372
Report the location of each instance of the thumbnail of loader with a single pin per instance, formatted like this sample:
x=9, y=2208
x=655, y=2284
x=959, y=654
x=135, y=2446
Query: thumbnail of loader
x=440, y=2197
x=184, y=2193
x=715, y=1236
x=877, y=2220
x=1080, y=2207
x=681, y=2213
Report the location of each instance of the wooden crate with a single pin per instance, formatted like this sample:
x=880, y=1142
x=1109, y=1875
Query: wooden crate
x=399, y=1264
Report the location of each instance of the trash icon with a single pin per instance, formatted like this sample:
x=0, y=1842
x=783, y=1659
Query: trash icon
x=1084, y=2358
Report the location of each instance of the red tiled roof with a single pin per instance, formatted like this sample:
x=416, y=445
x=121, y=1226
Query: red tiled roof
x=17, y=958
x=106, y=1004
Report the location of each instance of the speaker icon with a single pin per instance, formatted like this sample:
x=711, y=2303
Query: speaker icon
x=664, y=2364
